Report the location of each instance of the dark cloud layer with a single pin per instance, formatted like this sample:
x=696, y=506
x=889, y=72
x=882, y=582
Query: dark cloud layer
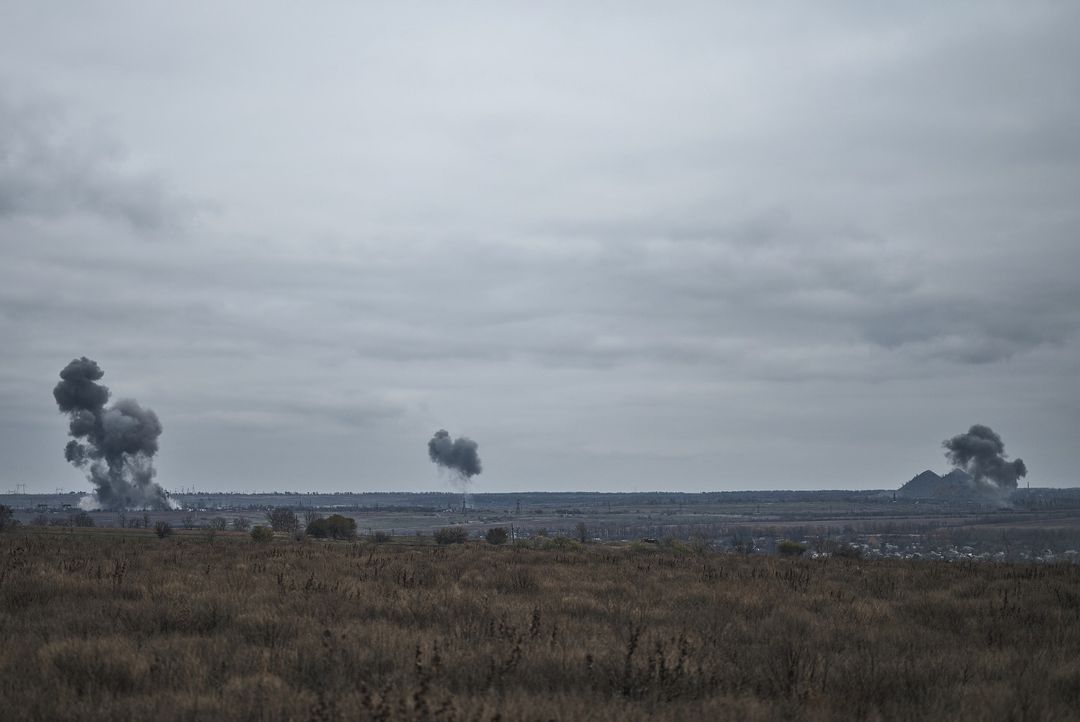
x=698, y=248
x=47, y=168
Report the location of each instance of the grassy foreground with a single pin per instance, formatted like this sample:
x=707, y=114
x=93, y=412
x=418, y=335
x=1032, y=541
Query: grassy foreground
x=137, y=628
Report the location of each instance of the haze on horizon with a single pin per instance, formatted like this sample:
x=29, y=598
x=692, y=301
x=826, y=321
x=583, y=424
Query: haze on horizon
x=622, y=246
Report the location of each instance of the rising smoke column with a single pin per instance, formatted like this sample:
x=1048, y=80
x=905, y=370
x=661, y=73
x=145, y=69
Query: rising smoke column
x=981, y=453
x=459, y=456
x=116, y=444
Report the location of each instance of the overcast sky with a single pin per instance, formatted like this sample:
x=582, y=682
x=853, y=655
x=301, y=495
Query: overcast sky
x=622, y=245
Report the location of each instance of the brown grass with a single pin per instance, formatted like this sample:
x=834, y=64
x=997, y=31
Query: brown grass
x=137, y=628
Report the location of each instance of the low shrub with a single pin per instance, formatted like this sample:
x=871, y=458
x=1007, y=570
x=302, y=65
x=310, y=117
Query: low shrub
x=497, y=535
x=672, y=544
x=163, y=529
x=282, y=519
x=335, y=526
x=847, y=551
x=451, y=535
x=107, y=666
x=789, y=548
x=7, y=518
x=82, y=519
x=561, y=543
x=262, y=534
x=744, y=545
x=516, y=579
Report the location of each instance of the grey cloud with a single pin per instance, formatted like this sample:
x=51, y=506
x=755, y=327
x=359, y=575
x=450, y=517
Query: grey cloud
x=50, y=167
x=737, y=214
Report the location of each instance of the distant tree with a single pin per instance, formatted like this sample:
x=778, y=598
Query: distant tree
x=218, y=523
x=7, y=519
x=334, y=527
x=282, y=519
x=744, y=545
x=497, y=535
x=262, y=534
x=847, y=551
x=82, y=519
x=451, y=535
x=789, y=548
x=582, y=532
x=40, y=520
x=310, y=515
x=189, y=521
x=241, y=523
x=380, y=537
x=163, y=529
x=699, y=544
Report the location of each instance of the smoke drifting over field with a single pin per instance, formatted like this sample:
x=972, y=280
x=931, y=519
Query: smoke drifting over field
x=981, y=453
x=115, y=444
x=459, y=456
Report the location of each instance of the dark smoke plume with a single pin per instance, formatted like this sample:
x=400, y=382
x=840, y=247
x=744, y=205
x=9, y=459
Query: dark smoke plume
x=117, y=444
x=981, y=453
x=458, y=455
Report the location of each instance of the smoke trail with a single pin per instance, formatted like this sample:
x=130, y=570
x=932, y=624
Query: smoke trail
x=981, y=453
x=459, y=456
x=116, y=444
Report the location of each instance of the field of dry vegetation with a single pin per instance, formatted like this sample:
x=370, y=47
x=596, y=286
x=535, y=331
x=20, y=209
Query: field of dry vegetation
x=132, y=627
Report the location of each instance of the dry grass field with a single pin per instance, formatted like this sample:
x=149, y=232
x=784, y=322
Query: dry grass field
x=97, y=626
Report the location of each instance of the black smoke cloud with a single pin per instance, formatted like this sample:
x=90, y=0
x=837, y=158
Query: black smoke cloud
x=981, y=453
x=458, y=455
x=116, y=444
